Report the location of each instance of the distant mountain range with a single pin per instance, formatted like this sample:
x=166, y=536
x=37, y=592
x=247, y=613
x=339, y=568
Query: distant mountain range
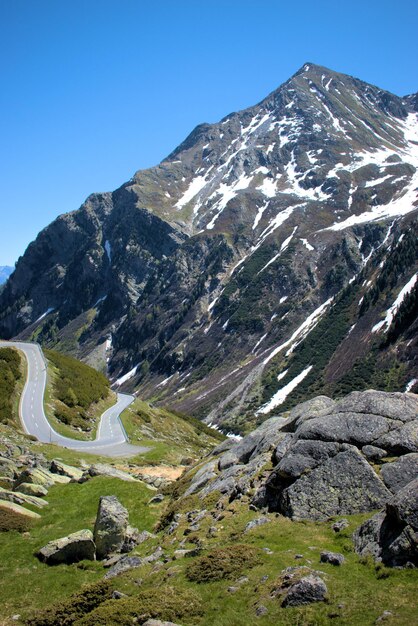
x=5, y=271
x=271, y=257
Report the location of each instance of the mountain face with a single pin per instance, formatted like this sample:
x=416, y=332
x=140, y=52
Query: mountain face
x=270, y=257
x=5, y=271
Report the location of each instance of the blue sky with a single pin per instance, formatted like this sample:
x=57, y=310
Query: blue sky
x=93, y=90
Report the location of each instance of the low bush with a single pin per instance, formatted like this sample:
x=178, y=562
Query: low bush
x=222, y=563
x=69, y=611
x=164, y=603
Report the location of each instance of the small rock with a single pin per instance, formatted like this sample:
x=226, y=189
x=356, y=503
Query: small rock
x=298, y=556
x=264, y=578
x=232, y=589
x=172, y=528
x=385, y=616
x=267, y=550
x=334, y=558
x=261, y=610
x=242, y=580
x=157, y=499
x=117, y=595
x=123, y=565
x=342, y=524
x=256, y=522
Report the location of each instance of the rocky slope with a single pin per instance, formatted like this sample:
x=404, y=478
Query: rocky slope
x=202, y=281
x=327, y=459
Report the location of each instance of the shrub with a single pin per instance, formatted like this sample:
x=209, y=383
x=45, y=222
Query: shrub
x=165, y=603
x=222, y=563
x=66, y=613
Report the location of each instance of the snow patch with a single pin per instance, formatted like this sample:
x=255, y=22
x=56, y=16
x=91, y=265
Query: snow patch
x=108, y=249
x=127, y=376
x=391, y=312
x=281, y=395
x=307, y=244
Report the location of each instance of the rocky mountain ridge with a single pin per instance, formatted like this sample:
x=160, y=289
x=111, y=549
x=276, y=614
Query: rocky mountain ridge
x=200, y=281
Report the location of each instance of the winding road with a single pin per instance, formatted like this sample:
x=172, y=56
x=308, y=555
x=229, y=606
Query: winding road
x=111, y=439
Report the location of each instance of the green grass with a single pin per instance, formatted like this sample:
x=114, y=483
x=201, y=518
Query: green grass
x=171, y=436
x=358, y=591
x=28, y=584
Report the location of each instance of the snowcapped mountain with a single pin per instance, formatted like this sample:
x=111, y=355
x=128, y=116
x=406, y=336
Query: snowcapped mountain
x=203, y=281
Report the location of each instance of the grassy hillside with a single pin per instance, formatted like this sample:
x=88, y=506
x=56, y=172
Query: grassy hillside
x=233, y=573
x=76, y=394
x=171, y=436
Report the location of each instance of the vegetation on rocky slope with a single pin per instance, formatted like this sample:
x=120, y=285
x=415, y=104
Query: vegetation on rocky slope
x=76, y=390
x=10, y=374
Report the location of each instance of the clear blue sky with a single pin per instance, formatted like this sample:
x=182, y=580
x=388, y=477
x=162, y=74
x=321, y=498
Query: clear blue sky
x=93, y=90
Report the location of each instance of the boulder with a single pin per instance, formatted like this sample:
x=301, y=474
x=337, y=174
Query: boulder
x=343, y=485
x=57, y=467
x=400, y=440
x=31, y=489
x=40, y=476
x=372, y=453
x=304, y=456
x=391, y=536
x=21, y=498
x=346, y=427
x=102, y=469
x=396, y=406
x=399, y=473
x=305, y=591
x=111, y=526
x=76, y=547
x=8, y=468
x=15, y=517
x=306, y=410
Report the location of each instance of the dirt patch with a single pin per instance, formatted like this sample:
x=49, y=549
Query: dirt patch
x=161, y=471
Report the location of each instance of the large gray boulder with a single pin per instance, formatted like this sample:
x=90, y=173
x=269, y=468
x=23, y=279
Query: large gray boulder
x=391, y=536
x=111, y=526
x=76, y=547
x=342, y=485
x=399, y=473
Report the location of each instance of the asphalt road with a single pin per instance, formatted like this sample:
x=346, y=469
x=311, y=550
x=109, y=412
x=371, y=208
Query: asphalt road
x=111, y=439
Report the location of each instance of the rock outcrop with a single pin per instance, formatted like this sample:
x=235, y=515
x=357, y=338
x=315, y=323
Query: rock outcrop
x=391, y=536
x=324, y=455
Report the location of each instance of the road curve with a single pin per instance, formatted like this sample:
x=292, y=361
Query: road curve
x=111, y=439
